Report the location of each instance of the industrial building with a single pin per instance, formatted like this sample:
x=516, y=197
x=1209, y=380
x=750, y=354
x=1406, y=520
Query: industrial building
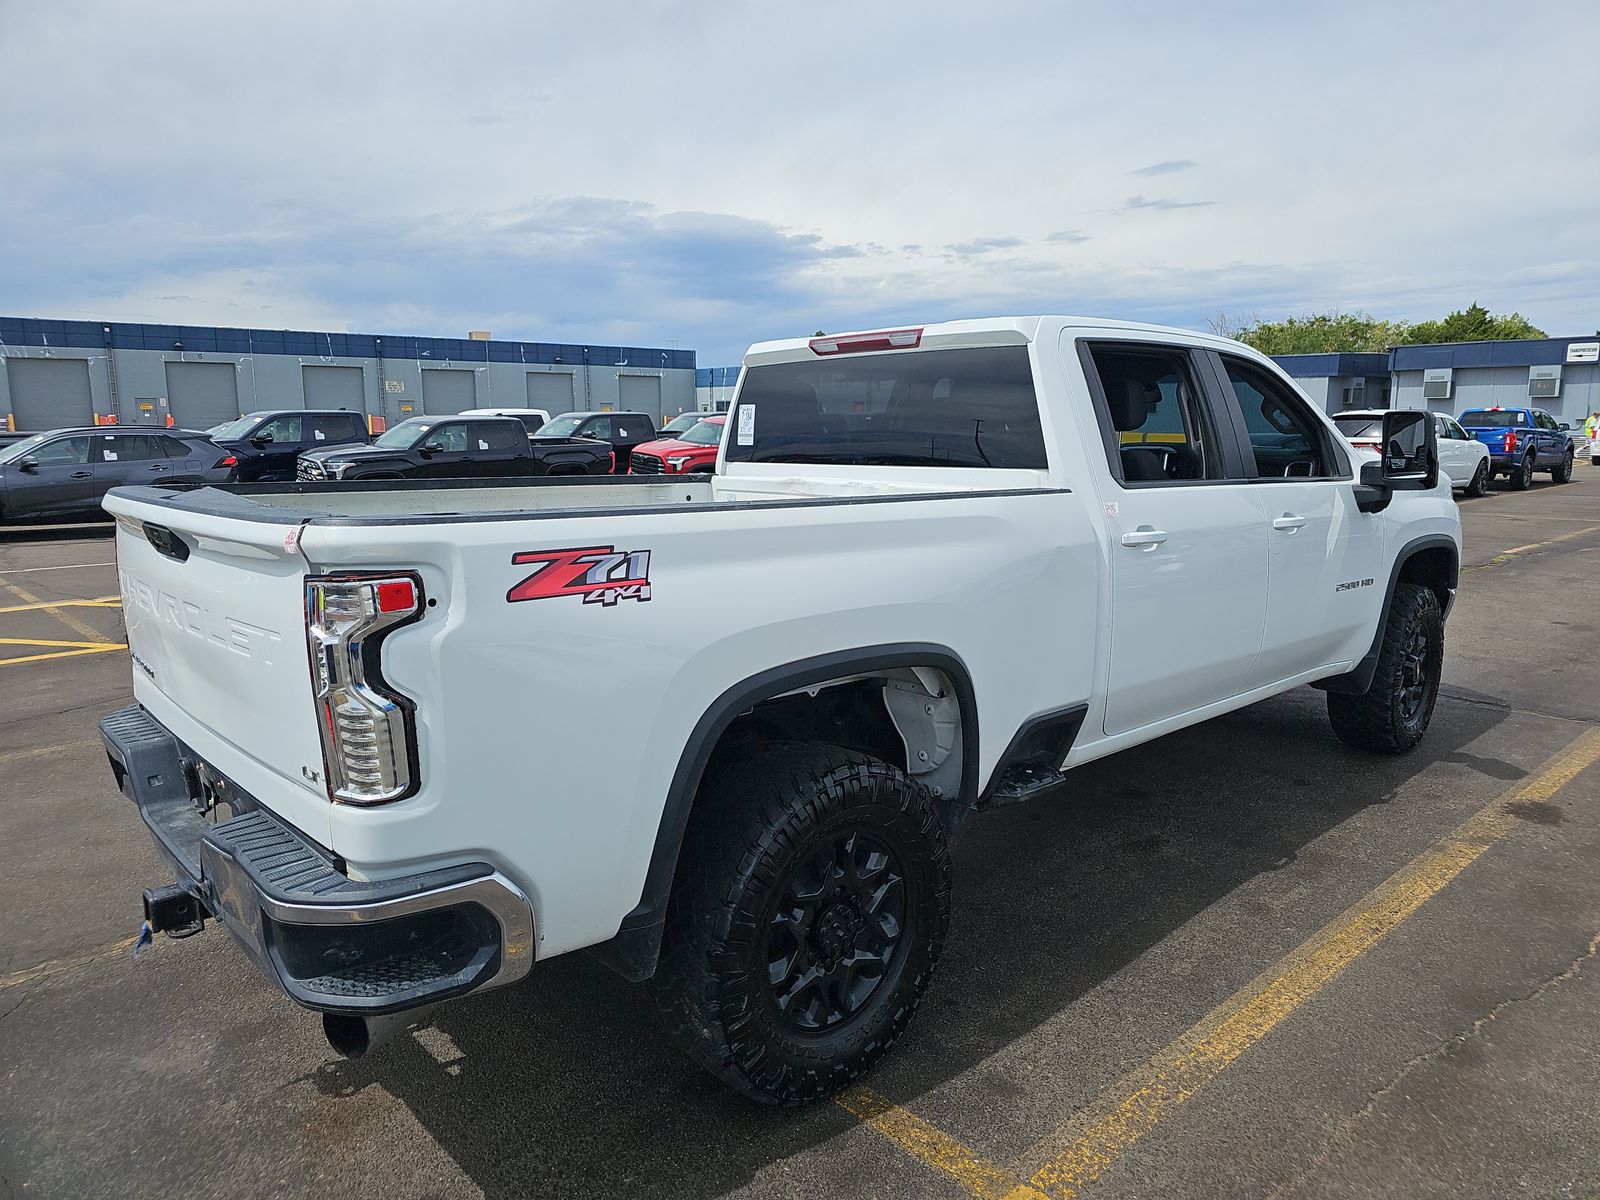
x=62, y=373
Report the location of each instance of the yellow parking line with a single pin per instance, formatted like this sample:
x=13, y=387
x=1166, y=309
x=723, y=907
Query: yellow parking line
x=1068, y=1160
x=98, y=648
x=47, y=605
x=10, y=756
x=96, y=644
x=57, y=965
x=53, y=608
x=1507, y=555
x=1075, y=1155
x=932, y=1147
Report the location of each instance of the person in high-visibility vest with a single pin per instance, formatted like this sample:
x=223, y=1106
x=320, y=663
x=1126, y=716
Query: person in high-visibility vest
x=1591, y=427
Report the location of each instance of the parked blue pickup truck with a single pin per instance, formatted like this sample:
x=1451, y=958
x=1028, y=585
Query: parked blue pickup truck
x=1521, y=441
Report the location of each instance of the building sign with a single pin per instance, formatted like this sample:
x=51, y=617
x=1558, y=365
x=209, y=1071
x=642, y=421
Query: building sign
x=394, y=385
x=1579, y=352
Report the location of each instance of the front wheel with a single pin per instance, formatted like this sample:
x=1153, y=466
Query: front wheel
x=1393, y=713
x=1522, y=476
x=812, y=903
x=1563, y=473
x=1479, y=486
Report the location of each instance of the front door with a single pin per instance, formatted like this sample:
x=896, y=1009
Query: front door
x=452, y=459
x=61, y=485
x=1324, y=591
x=1188, y=544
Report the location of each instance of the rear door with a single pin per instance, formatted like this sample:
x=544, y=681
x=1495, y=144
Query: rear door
x=498, y=448
x=1323, y=592
x=1188, y=539
x=334, y=429
x=61, y=485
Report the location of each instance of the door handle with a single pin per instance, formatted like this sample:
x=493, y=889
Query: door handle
x=81, y=475
x=1145, y=538
x=157, y=467
x=1288, y=521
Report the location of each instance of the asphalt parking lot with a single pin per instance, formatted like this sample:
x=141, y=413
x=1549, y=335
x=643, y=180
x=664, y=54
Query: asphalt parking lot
x=1240, y=961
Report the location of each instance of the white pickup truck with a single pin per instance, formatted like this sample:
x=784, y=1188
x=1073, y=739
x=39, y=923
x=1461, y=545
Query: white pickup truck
x=406, y=740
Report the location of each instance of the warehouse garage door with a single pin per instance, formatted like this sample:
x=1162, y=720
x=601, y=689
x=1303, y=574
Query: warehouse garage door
x=550, y=390
x=49, y=393
x=641, y=393
x=200, y=395
x=446, y=391
x=334, y=387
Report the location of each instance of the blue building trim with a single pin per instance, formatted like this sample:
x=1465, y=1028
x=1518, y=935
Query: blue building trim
x=1543, y=352
x=716, y=377
x=1332, y=366
x=205, y=339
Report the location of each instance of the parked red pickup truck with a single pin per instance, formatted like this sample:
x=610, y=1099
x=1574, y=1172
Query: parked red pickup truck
x=693, y=452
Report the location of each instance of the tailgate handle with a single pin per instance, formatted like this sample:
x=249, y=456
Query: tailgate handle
x=166, y=542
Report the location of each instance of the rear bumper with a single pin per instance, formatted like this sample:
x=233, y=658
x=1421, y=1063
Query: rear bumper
x=332, y=943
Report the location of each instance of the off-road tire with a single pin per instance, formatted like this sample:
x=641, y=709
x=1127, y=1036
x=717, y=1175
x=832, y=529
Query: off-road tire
x=1522, y=474
x=1391, y=716
x=763, y=821
x=1563, y=473
x=1479, y=485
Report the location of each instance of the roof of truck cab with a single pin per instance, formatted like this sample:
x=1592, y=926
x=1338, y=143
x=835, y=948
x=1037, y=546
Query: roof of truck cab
x=990, y=330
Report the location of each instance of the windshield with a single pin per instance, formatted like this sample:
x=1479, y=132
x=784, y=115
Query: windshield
x=706, y=433
x=683, y=421
x=21, y=449
x=232, y=431
x=1360, y=427
x=562, y=426
x=1494, y=418
x=406, y=434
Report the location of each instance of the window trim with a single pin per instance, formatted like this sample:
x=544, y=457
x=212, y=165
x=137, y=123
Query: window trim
x=1229, y=400
x=1211, y=424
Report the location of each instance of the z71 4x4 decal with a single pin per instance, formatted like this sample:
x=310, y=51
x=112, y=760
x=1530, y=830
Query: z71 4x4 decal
x=600, y=574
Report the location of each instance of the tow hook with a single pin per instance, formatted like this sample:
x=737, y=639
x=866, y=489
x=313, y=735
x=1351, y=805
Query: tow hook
x=174, y=911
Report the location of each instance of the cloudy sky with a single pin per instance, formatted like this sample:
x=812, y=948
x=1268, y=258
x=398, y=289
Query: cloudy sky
x=708, y=174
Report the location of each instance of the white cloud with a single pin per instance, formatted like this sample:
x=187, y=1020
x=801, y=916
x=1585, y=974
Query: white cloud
x=362, y=165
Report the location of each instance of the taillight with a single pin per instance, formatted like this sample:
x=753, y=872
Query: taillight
x=368, y=732
x=230, y=461
x=1511, y=441
x=857, y=343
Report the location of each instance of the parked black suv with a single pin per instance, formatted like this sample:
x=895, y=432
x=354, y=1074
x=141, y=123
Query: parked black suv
x=624, y=430
x=267, y=444
x=63, y=475
x=446, y=447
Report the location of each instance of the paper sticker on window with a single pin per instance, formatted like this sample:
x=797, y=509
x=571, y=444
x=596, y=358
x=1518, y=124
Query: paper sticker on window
x=319, y=435
x=110, y=455
x=747, y=425
x=482, y=445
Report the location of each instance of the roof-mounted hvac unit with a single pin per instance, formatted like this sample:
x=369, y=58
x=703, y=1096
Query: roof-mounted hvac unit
x=1544, y=383
x=1436, y=383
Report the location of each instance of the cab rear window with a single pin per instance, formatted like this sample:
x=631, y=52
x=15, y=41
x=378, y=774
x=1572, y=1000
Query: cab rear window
x=1494, y=418
x=937, y=408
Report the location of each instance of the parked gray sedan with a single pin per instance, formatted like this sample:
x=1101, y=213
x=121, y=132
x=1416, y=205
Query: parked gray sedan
x=63, y=475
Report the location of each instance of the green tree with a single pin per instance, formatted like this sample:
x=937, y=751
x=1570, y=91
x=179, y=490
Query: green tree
x=1322, y=333
x=1475, y=323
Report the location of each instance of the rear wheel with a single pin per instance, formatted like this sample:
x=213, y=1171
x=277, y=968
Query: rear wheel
x=813, y=901
x=1393, y=713
x=1522, y=476
x=1563, y=473
x=1479, y=486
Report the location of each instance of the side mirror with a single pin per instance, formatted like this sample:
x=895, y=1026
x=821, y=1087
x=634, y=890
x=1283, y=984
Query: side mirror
x=1410, y=460
x=433, y=447
x=30, y=464
x=1565, y=427
x=260, y=440
x=1410, y=450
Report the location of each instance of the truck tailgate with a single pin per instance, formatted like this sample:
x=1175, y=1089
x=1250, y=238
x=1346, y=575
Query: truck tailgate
x=219, y=651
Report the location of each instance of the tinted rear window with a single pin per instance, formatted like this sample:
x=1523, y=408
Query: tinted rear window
x=1360, y=427
x=938, y=408
x=1487, y=418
